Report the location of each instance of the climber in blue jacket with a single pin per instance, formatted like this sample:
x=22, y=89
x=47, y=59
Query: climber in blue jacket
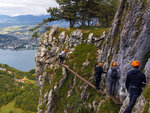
x=62, y=56
x=134, y=82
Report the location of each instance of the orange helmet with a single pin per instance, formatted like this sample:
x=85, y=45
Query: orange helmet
x=65, y=50
x=114, y=64
x=135, y=63
x=101, y=64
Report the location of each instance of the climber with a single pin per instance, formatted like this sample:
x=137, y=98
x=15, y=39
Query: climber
x=113, y=76
x=98, y=72
x=135, y=80
x=62, y=56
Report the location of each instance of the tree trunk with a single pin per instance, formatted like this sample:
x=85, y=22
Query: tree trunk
x=83, y=20
x=71, y=23
x=107, y=21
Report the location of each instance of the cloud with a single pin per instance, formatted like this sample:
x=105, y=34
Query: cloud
x=23, y=7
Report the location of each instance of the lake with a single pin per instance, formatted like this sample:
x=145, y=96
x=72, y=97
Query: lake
x=21, y=60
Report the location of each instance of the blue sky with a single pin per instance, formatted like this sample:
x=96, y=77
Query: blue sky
x=23, y=7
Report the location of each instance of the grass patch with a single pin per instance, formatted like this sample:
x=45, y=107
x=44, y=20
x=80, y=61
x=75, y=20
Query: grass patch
x=74, y=103
x=94, y=95
x=146, y=108
x=60, y=95
x=146, y=93
x=96, y=31
x=10, y=107
x=55, y=76
x=109, y=107
x=82, y=53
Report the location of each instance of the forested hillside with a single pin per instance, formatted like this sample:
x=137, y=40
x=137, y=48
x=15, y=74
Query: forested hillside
x=19, y=87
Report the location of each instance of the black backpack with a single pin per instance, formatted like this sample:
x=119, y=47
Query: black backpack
x=114, y=73
x=98, y=72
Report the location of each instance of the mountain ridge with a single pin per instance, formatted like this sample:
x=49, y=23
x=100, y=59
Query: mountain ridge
x=6, y=21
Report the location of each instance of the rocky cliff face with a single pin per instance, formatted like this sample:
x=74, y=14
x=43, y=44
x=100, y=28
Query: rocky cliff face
x=128, y=39
x=55, y=81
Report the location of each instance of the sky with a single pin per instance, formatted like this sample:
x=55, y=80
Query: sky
x=24, y=7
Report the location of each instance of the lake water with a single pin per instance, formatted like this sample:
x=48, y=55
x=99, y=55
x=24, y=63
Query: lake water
x=22, y=60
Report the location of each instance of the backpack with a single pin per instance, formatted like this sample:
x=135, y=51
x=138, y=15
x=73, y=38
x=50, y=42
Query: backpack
x=98, y=71
x=114, y=73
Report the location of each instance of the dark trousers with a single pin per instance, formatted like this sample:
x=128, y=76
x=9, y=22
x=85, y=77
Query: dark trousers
x=112, y=86
x=133, y=98
x=98, y=80
x=61, y=59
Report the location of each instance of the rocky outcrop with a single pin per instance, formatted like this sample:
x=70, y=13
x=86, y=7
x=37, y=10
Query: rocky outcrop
x=76, y=37
x=62, y=37
x=147, y=71
x=139, y=107
x=96, y=40
x=46, y=54
x=128, y=40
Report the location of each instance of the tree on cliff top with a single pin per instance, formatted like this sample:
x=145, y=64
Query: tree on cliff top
x=81, y=13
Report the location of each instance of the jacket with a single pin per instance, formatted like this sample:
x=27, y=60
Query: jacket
x=98, y=72
x=62, y=54
x=118, y=73
x=135, y=79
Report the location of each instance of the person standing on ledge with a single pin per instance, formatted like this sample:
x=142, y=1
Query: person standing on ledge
x=98, y=72
x=62, y=56
x=114, y=76
x=134, y=82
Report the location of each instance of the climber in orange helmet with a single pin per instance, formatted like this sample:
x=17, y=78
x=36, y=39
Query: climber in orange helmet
x=62, y=56
x=134, y=82
x=98, y=72
x=113, y=76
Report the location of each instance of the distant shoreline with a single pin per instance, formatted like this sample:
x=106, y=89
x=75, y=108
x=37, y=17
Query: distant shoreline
x=20, y=49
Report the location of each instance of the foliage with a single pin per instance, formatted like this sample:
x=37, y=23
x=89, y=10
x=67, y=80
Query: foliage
x=15, y=72
x=106, y=12
x=84, y=12
x=9, y=108
x=26, y=94
x=109, y=107
x=32, y=76
x=146, y=93
x=8, y=88
x=146, y=108
x=80, y=13
x=28, y=101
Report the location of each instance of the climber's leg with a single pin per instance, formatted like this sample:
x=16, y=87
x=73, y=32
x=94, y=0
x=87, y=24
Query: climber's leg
x=97, y=83
x=113, y=87
x=110, y=87
x=61, y=59
x=133, y=98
